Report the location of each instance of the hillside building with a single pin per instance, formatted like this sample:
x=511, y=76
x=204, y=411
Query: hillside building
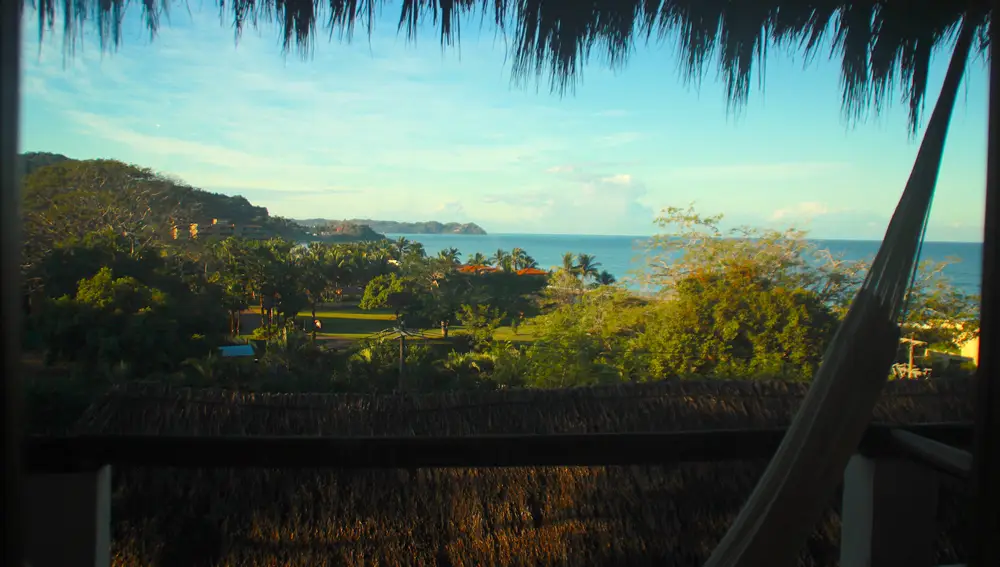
x=218, y=228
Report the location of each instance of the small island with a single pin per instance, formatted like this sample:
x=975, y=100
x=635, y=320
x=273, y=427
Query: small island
x=395, y=227
x=333, y=231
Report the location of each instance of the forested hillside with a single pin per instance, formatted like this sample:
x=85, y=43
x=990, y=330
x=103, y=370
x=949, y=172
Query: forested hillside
x=31, y=161
x=173, y=192
x=67, y=200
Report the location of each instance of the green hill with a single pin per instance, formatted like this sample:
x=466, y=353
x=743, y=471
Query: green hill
x=396, y=227
x=341, y=232
x=64, y=198
x=32, y=161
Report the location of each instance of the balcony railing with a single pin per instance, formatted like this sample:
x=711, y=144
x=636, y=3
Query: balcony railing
x=889, y=500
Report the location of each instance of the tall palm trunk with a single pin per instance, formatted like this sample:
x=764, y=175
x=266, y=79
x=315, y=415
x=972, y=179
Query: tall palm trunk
x=263, y=312
x=313, y=322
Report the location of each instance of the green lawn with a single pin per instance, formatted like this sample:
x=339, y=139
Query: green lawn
x=524, y=334
x=349, y=322
x=351, y=312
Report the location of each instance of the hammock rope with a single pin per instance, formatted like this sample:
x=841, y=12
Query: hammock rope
x=791, y=496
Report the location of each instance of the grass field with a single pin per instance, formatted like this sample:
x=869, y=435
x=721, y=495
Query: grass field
x=350, y=322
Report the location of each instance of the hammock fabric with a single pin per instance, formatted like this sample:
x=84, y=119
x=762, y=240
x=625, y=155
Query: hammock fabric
x=790, y=497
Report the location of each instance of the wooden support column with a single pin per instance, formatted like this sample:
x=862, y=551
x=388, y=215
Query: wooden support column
x=68, y=519
x=10, y=296
x=985, y=525
x=887, y=517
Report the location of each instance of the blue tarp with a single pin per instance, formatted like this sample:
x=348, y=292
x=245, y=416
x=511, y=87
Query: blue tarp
x=236, y=350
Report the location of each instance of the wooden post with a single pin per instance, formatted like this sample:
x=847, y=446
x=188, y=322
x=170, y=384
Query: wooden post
x=909, y=370
x=887, y=517
x=10, y=290
x=985, y=523
x=68, y=519
x=402, y=358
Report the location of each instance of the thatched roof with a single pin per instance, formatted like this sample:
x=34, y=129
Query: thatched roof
x=655, y=406
x=671, y=516
x=883, y=44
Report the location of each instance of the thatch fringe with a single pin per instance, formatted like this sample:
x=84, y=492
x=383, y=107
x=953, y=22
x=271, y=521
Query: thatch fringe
x=883, y=44
x=669, y=515
x=655, y=406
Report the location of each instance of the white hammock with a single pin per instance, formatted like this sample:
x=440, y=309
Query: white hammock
x=790, y=497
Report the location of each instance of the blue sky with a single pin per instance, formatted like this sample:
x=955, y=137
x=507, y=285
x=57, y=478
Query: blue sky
x=388, y=129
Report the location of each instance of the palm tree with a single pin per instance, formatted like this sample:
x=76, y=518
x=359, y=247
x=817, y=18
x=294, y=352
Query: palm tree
x=528, y=262
x=517, y=256
x=451, y=255
x=399, y=248
x=416, y=249
x=316, y=276
x=501, y=259
x=568, y=263
x=478, y=259
x=586, y=266
x=605, y=278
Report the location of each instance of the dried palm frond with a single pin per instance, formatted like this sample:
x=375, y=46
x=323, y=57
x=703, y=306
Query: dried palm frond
x=671, y=405
x=883, y=44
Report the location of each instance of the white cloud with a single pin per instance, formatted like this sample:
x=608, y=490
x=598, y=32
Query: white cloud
x=246, y=118
x=452, y=209
x=805, y=210
x=618, y=179
x=110, y=129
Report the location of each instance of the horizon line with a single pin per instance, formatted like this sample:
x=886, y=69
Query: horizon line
x=488, y=234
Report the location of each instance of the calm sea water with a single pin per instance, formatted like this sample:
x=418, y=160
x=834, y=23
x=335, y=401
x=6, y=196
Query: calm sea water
x=621, y=255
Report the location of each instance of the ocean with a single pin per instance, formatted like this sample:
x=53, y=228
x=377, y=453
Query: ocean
x=622, y=255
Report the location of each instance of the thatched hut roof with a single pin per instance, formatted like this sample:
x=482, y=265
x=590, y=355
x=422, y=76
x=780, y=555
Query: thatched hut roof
x=883, y=44
x=671, y=515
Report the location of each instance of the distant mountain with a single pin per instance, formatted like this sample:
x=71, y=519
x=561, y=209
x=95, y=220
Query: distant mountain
x=341, y=232
x=395, y=227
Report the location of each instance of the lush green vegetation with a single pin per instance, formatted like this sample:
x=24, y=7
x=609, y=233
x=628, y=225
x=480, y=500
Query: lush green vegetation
x=112, y=299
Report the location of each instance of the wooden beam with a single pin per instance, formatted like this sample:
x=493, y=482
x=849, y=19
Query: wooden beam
x=10, y=252
x=888, y=512
x=62, y=454
x=985, y=524
x=75, y=453
x=945, y=457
